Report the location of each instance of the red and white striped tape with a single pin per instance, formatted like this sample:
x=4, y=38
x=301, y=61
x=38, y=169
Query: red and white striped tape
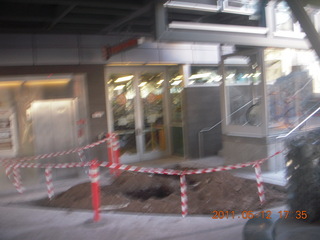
x=129, y=168
x=184, y=196
x=50, y=155
x=261, y=192
x=51, y=165
x=48, y=174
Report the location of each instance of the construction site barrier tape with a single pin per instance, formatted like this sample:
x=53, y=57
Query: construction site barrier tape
x=129, y=168
x=50, y=155
x=13, y=169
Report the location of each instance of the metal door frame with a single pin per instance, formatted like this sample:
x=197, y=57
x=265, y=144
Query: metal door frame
x=237, y=130
x=138, y=112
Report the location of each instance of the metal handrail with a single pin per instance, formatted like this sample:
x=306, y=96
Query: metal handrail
x=298, y=126
x=207, y=129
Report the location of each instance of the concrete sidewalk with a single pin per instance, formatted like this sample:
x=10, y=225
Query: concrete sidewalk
x=29, y=223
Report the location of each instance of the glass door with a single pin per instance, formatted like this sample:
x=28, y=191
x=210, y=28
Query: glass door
x=152, y=132
x=243, y=94
x=136, y=111
x=121, y=112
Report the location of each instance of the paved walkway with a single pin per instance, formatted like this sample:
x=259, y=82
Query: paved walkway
x=21, y=222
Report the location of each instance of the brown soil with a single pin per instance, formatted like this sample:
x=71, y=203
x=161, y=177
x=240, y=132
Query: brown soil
x=148, y=193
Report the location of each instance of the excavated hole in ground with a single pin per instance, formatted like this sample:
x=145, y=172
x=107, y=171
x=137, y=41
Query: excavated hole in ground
x=156, y=192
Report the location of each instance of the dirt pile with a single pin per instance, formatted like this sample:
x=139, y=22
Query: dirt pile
x=149, y=193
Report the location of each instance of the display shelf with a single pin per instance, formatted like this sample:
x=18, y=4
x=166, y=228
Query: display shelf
x=8, y=133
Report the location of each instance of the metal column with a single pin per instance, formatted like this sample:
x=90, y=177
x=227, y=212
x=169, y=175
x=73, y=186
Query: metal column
x=303, y=18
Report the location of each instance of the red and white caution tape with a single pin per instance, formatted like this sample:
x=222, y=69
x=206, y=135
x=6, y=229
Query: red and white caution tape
x=129, y=168
x=184, y=197
x=261, y=192
x=50, y=155
x=48, y=174
x=52, y=165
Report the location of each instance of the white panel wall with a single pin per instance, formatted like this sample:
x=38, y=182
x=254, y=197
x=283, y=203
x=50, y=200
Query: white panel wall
x=28, y=49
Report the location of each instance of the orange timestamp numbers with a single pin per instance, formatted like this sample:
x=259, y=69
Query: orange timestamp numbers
x=261, y=214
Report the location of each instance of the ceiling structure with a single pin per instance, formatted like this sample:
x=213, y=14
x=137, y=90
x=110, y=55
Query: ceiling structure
x=130, y=18
x=101, y=17
x=77, y=16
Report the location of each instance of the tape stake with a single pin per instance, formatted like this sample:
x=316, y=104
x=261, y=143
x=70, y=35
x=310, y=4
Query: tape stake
x=95, y=189
x=17, y=180
x=116, y=153
x=184, y=197
x=110, y=151
x=9, y=170
x=261, y=192
x=83, y=159
x=48, y=174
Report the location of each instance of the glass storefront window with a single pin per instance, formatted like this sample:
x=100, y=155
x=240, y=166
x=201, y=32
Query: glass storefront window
x=175, y=98
x=292, y=78
x=122, y=96
x=204, y=75
x=284, y=17
x=242, y=84
x=42, y=113
x=176, y=87
x=285, y=22
x=245, y=6
x=151, y=93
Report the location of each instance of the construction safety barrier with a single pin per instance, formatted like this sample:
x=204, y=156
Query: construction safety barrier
x=14, y=165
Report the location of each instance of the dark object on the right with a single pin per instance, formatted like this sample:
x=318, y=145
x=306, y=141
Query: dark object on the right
x=303, y=174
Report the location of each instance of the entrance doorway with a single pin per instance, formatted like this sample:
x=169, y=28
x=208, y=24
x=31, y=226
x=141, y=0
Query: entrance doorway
x=53, y=124
x=137, y=111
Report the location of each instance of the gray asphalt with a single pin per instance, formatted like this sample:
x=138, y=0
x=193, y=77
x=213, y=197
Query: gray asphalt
x=21, y=222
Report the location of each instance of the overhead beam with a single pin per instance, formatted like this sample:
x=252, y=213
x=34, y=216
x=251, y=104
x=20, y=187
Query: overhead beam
x=61, y=16
x=160, y=19
x=296, y=7
x=128, y=18
x=100, y=11
x=91, y=3
x=232, y=38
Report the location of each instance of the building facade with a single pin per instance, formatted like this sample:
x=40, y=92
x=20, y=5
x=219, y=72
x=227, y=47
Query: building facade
x=196, y=90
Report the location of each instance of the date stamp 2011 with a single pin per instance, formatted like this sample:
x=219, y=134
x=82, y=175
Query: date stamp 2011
x=261, y=214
